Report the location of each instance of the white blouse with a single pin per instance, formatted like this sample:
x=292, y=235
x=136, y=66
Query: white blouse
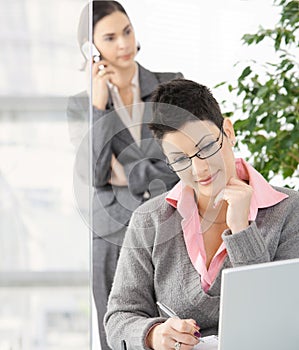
x=132, y=122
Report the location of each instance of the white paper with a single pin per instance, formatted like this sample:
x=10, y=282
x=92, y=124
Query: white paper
x=207, y=343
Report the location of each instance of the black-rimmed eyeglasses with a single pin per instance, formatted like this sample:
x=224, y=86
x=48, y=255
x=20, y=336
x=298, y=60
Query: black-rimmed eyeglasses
x=184, y=162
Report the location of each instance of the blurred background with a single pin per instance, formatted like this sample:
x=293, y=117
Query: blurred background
x=44, y=243
x=45, y=298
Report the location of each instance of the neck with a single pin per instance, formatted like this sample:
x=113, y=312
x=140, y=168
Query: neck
x=123, y=76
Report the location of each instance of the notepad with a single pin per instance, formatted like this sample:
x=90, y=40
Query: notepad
x=207, y=343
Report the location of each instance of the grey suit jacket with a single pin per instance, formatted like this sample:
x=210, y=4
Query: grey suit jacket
x=144, y=166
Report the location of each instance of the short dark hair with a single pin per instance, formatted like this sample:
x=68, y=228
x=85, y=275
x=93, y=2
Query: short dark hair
x=195, y=102
x=100, y=9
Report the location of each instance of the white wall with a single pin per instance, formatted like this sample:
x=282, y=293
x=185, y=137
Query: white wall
x=200, y=38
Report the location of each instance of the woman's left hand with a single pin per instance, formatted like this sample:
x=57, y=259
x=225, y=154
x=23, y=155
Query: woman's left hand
x=238, y=195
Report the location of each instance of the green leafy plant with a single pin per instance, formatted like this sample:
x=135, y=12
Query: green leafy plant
x=268, y=96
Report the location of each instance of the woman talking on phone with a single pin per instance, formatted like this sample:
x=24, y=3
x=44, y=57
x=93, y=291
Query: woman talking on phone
x=128, y=166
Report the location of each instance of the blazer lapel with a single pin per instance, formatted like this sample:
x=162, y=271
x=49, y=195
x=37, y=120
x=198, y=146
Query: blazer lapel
x=147, y=82
x=121, y=129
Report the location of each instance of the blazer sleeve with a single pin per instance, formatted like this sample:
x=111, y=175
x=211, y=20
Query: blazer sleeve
x=149, y=175
x=274, y=236
x=131, y=308
x=77, y=117
x=288, y=244
x=103, y=130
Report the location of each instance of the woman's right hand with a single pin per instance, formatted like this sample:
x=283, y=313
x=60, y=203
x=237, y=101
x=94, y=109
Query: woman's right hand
x=165, y=335
x=99, y=83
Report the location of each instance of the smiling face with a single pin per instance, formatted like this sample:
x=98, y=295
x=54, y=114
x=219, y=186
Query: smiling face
x=206, y=176
x=115, y=39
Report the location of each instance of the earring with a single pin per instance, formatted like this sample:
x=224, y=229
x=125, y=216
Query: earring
x=233, y=142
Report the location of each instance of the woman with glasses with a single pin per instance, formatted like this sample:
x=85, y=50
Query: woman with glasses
x=221, y=214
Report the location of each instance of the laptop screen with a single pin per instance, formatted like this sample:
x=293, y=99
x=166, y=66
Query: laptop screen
x=259, y=307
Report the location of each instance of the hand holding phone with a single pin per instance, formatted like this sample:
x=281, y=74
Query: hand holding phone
x=101, y=74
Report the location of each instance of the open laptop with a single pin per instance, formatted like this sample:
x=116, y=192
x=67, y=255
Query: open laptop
x=259, y=308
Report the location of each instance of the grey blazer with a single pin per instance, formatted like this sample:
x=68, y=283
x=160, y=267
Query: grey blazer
x=154, y=265
x=144, y=165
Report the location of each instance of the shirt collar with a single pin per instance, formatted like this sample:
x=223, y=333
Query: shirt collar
x=181, y=197
x=264, y=195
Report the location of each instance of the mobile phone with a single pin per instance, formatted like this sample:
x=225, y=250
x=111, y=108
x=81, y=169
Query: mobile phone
x=86, y=49
x=96, y=56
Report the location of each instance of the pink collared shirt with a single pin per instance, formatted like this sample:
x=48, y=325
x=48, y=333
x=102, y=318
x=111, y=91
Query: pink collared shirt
x=182, y=198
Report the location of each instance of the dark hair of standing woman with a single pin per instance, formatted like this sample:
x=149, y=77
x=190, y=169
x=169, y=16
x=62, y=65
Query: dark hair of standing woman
x=100, y=9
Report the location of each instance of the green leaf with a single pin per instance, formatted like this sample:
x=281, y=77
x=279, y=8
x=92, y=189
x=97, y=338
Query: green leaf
x=219, y=84
x=260, y=38
x=278, y=40
x=267, y=93
x=248, y=38
x=245, y=73
x=262, y=91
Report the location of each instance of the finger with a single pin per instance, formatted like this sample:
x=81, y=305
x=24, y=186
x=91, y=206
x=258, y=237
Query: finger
x=101, y=62
x=105, y=74
x=187, y=327
x=236, y=181
x=95, y=68
x=99, y=66
x=218, y=198
x=233, y=183
x=185, y=339
x=102, y=72
x=226, y=194
x=193, y=323
x=239, y=185
x=173, y=330
x=172, y=345
x=233, y=194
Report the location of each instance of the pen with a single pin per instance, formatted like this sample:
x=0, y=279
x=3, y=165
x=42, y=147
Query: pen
x=123, y=345
x=167, y=310
x=171, y=313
